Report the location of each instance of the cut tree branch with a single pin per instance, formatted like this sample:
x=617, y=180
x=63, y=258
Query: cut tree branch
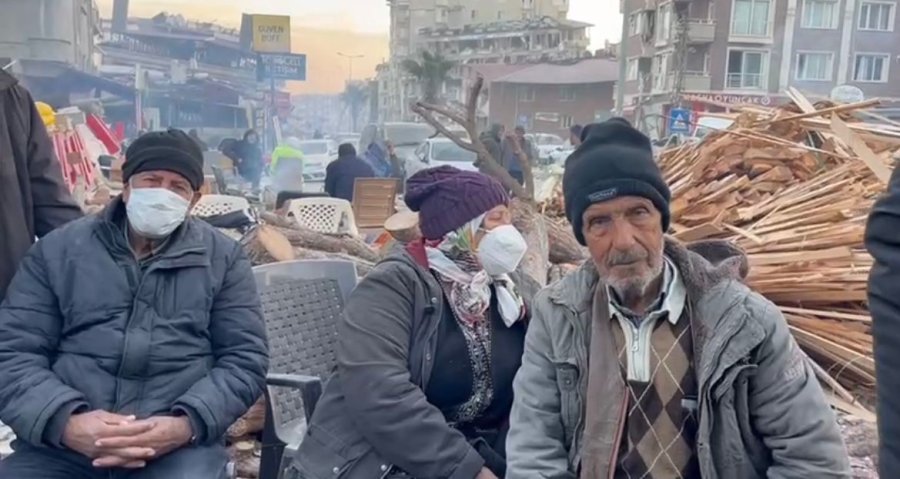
x=486, y=163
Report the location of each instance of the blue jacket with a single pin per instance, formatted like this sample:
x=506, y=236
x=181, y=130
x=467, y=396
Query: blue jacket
x=86, y=326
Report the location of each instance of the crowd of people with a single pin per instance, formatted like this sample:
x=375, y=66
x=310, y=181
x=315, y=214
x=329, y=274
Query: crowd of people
x=131, y=340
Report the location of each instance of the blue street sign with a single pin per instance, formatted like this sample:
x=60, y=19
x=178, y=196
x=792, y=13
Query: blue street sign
x=679, y=121
x=281, y=66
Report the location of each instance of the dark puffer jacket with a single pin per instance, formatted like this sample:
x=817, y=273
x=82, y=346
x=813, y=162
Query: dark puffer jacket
x=86, y=326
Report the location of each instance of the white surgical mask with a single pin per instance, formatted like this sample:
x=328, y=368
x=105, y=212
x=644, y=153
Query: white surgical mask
x=501, y=250
x=154, y=213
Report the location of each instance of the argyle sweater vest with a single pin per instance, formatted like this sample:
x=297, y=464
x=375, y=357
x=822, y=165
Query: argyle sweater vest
x=659, y=440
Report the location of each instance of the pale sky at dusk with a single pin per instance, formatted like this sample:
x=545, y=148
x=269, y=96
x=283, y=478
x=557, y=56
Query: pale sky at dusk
x=322, y=28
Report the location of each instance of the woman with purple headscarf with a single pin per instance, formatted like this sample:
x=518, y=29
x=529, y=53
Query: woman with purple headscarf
x=428, y=345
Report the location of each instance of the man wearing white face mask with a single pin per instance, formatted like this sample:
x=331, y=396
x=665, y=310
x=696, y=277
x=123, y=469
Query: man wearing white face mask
x=130, y=341
x=428, y=346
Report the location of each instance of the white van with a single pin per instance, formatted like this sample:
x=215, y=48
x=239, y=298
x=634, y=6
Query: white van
x=707, y=124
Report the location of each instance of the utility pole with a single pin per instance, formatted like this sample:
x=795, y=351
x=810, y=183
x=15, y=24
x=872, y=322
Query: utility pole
x=623, y=62
x=679, y=57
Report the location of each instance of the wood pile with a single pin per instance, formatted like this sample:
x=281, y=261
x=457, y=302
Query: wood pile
x=793, y=187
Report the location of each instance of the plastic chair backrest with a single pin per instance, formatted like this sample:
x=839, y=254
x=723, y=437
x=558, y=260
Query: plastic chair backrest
x=373, y=200
x=212, y=205
x=301, y=301
x=324, y=215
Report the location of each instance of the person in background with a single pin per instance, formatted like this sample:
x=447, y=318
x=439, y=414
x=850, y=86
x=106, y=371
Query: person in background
x=341, y=174
x=196, y=137
x=575, y=135
x=653, y=359
x=493, y=141
x=517, y=149
x=428, y=345
x=34, y=199
x=286, y=168
x=131, y=340
x=377, y=158
x=248, y=154
x=883, y=243
x=398, y=166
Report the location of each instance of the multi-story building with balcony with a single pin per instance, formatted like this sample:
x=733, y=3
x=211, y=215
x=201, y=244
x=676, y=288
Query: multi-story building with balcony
x=418, y=24
x=188, y=74
x=750, y=51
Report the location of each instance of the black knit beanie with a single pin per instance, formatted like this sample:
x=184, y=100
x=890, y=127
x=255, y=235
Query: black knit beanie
x=614, y=160
x=171, y=150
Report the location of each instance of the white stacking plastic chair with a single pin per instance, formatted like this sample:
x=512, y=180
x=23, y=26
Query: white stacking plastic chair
x=212, y=205
x=325, y=215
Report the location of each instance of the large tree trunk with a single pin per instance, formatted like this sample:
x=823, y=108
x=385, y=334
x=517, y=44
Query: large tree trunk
x=533, y=227
x=564, y=248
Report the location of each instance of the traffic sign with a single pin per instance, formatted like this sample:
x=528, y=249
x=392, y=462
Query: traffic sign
x=284, y=66
x=679, y=121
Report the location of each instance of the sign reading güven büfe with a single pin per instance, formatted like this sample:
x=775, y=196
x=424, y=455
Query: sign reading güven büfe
x=270, y=33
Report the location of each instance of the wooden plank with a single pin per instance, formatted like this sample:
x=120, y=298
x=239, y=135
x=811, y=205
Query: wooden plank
x=861, y=149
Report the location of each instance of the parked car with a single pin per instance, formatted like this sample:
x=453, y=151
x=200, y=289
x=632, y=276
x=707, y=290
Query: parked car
x=442, y=151
x=708, y=124
x=545, y=144
x=405, y=136
x=317, y=154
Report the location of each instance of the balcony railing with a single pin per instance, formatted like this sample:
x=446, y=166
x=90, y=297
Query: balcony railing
x=701, y=31
x=693, y=81
x=744, y=81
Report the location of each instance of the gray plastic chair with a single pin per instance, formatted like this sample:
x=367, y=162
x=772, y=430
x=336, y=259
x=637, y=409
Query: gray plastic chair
x=301, y=302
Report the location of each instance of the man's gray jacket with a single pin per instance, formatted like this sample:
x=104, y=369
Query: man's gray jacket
x=762, y=412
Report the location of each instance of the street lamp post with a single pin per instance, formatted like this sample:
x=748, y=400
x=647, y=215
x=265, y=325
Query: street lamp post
x=350, y=59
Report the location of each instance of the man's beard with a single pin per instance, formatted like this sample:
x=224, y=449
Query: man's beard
x=633, y=287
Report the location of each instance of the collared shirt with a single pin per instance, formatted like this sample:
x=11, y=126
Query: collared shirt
x=638, y=329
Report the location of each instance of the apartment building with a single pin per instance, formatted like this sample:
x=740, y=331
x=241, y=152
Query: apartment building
x=410, y=18
x=750, y=51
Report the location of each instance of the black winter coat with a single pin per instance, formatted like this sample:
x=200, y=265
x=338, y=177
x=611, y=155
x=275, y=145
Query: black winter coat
x=86, y=326
x=883, y=243
x=341, y=175
x=33, y=197
x=373, y=413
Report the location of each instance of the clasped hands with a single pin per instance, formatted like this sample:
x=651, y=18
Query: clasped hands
x=114, y=440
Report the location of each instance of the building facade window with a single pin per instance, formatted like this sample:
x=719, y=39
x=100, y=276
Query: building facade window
x=819, y=14
x=631, y=72
x=871, y=67
x=566, y=121
x=814, y=66
x=526, y=93
x=876, y=16
x=747, y=69
x=751, y=18
x=663, y=23
x=660, y=71
x=567, y=93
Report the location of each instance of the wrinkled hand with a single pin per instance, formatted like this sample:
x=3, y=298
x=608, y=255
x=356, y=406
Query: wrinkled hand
x=164, y=436
x=485, y=474
x=83, y=431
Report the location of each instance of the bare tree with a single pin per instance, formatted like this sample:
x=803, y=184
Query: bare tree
x=486, y=163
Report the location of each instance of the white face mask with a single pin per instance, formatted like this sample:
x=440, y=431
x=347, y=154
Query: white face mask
x=501, y=250
x=154, y=213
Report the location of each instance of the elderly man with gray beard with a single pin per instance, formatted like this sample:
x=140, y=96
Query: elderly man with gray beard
x=653, y=360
